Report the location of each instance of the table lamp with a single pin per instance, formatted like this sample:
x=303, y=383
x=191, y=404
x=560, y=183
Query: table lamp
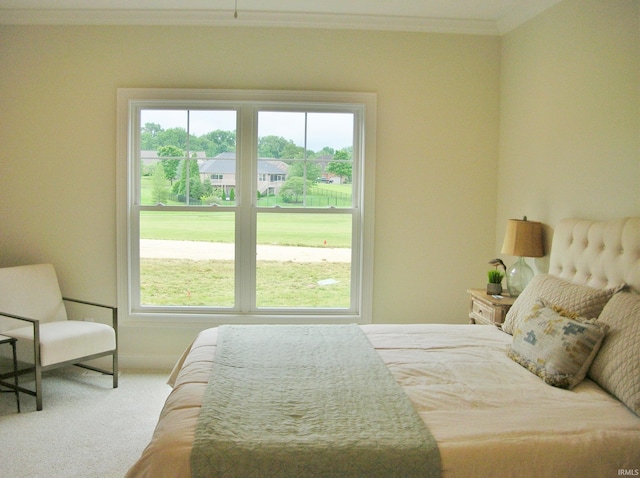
x=523, y=239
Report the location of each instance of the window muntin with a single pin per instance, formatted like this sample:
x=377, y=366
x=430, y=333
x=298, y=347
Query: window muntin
x=243, y=209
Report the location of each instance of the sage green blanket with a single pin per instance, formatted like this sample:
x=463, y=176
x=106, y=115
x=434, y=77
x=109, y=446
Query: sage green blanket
x=307, y=401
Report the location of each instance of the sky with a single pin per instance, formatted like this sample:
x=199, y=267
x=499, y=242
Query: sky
x=323, y=129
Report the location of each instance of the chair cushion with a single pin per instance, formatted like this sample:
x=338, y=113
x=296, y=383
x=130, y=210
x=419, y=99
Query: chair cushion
x=66, y=340
x=30, y=291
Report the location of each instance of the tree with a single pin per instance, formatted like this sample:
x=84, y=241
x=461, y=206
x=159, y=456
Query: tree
x=273, y=146
x=217, y=142
x=160, y=192
x=326, y=151
x=196, y=190
x=292, y=151
x=170, y=165
x=341, y=164
x=297, y=169
x=173, y=137
x=149, y=136
x=293, y=189
x=343, y=154
x=207, y=189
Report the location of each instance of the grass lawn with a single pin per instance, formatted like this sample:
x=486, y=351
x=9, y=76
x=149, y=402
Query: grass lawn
x=177, y=282
x=308, y=230
x=211, y=283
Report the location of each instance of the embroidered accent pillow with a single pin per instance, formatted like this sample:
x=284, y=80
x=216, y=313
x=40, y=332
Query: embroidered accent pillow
x=616, y=368
x=556, y=348
x=581, y=300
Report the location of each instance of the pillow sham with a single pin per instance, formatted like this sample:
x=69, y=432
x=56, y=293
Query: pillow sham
x=581, y=300
x=616, y=368
x=556, y=348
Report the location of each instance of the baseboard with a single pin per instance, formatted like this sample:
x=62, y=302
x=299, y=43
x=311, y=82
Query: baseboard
x=147, y=361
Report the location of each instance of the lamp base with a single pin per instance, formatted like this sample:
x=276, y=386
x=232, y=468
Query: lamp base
x=518, y=276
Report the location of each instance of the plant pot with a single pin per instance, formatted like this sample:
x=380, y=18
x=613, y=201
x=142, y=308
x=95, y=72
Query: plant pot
x=494, y=289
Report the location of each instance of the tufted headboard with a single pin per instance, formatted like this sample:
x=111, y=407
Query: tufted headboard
x=598, y=254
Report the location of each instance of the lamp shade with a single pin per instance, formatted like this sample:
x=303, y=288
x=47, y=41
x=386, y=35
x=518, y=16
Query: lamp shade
x=523, y=238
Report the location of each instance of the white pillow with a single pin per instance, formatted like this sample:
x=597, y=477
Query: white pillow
x=616, y=368
x=556, y=348
x=581, y=300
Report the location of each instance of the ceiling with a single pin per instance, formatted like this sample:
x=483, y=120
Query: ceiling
x=484, y=17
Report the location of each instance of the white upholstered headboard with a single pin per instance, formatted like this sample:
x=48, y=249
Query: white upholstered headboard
x=597, y=254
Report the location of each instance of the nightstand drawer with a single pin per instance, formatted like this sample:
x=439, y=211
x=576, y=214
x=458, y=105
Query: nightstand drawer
x=486, y=309
x=483, y=313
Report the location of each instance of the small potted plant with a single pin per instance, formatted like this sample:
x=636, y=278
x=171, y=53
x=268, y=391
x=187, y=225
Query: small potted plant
x=494, y=286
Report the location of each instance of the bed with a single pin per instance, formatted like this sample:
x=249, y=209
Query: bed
x=495, y=403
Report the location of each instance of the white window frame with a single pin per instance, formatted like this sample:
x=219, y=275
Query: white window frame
x=248, y=103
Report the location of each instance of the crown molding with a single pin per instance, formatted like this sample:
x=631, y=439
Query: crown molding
x=246, y=19
x=167, y=17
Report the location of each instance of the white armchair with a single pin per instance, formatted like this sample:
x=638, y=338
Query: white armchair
x=33, y=311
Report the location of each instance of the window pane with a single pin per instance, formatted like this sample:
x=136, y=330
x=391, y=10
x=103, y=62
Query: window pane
x=187, y=157
x=187, y=258
x=190, y=249
x=303, y=260
x=298, y=151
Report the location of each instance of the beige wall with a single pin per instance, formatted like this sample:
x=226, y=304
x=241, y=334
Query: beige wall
x=557, y=100
x=570, y=115
x=437, y=148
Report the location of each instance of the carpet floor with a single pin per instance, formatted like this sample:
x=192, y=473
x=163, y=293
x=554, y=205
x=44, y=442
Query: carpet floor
x=87, y=428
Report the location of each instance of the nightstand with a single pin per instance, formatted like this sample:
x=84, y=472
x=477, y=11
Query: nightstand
x=487, y=310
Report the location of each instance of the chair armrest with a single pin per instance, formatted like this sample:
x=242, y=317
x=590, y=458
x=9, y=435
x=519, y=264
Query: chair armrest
x=19, y=317
x=114, y=310
x=95, y=304
x=36, y=332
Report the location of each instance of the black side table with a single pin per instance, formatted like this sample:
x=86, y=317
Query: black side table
x=11, y=340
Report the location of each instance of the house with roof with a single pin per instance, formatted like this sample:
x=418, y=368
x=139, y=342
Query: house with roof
x=221, y=172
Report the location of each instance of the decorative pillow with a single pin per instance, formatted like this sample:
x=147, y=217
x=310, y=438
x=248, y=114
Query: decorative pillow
x=616, y=368
x=558, y=349
x=581, y=300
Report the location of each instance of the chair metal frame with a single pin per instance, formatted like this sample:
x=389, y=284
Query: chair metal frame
x=5, y=339
x=37, y=368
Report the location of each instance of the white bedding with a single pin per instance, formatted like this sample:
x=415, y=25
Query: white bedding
x=489, y=416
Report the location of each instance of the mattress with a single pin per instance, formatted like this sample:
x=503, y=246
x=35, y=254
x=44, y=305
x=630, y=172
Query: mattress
x=489, y=415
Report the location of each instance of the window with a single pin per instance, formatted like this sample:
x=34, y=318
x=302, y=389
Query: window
x=245, y=206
